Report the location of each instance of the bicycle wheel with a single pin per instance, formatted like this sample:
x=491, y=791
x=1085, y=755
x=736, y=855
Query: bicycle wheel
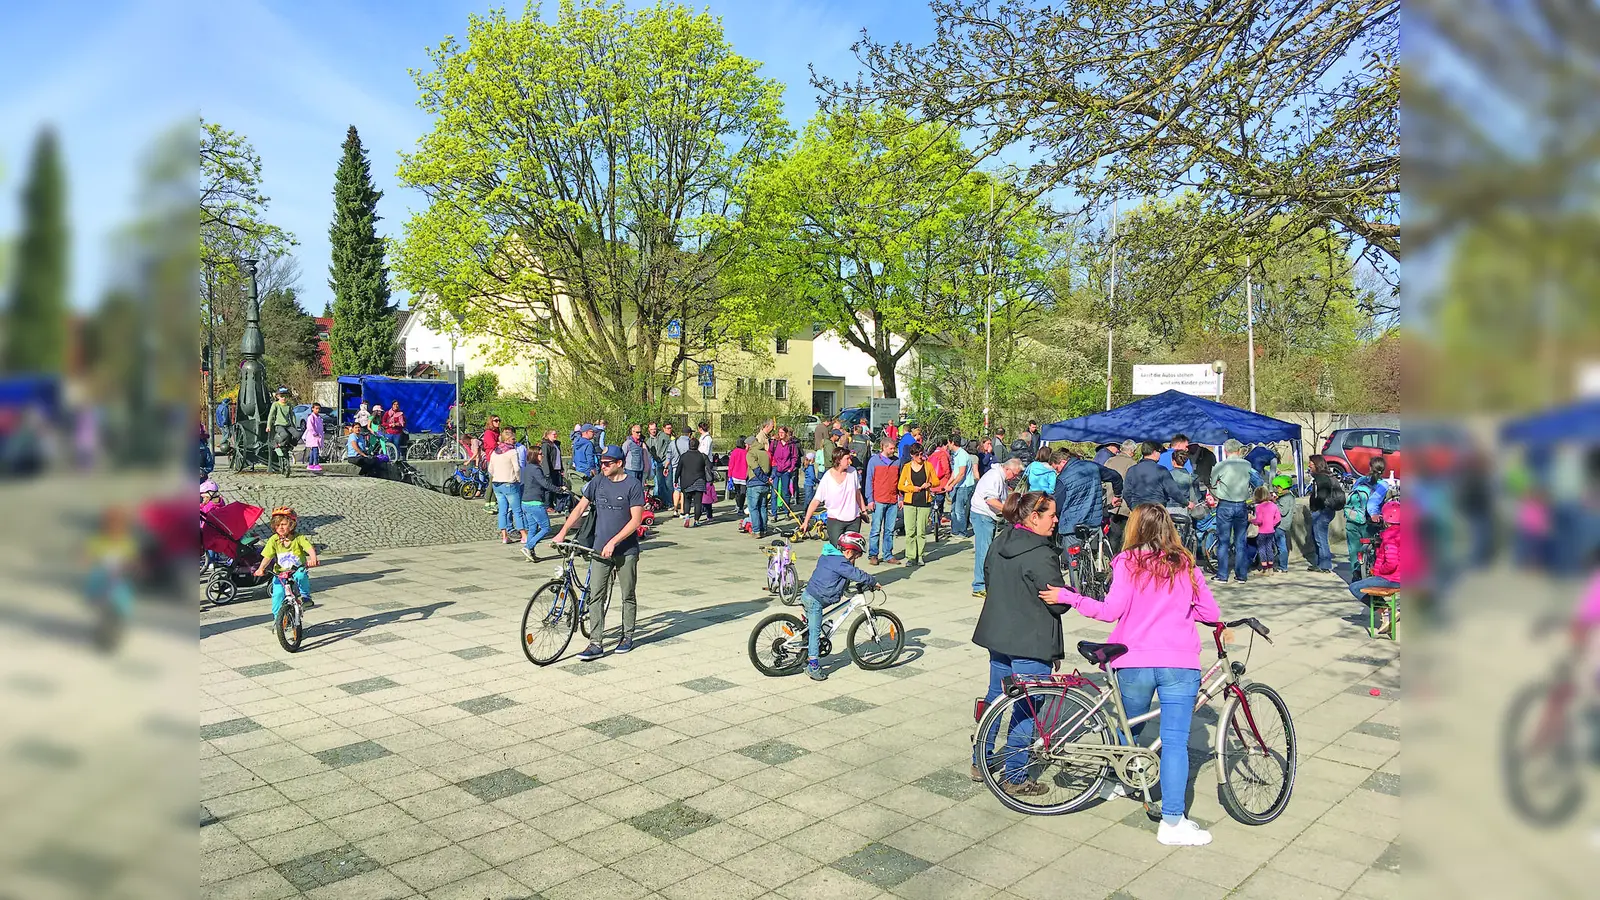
x=1257, y=774
x=778, y=645
x=548, y=622
x=1208, y=552
x=1029, y=747
x=289, y=626
x=469, y=491
x=880, y=646
x=1539, y=756
x=451, y=451
x=789, y=587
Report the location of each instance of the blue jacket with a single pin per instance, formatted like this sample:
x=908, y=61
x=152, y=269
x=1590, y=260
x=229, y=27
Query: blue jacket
x=583, y=456
x=1079, y=500
x=902, y=450
x=834, y=574
x=1041, y=477
x=537, y=486
x=1148, y=482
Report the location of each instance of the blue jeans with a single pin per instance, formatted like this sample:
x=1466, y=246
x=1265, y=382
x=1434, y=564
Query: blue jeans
x=637, y=473
x=1021, y=734
x=982, y=534
x=782, y=486
x=302, y=580
x=1178, y=689
x=884, y=516
x=1233, y=530
x=755, y=500
x=508, y=500
x=537, y=520
x=961, y=512
x=1371, y=581
x=1320, y=520
x=813, y=625
x=1283, y=546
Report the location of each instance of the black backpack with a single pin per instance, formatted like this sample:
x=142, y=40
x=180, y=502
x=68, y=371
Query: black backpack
x=1021, y=449
x=1336, y=498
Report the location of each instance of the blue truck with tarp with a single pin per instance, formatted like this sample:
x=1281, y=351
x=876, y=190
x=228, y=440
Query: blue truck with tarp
x=425, y=401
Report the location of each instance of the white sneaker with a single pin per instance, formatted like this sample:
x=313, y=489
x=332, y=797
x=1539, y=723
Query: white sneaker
x=1184, y=834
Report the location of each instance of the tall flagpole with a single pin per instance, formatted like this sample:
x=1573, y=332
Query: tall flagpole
x=1111, y=302
x=1250, y=329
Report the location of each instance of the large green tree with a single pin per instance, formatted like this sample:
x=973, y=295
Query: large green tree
x=36, y=314
x=361, y=341
x=880, y=232
x=1274, y=111
x=580, y=177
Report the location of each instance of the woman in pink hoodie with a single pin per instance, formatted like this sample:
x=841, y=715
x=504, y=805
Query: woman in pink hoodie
x=1157, y=595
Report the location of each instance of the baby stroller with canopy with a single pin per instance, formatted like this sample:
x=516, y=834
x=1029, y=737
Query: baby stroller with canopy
x=223, y=531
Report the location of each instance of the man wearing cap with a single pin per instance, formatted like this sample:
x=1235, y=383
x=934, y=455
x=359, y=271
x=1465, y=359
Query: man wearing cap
x=1230, y=484
x=583, y=460
x=618, y=501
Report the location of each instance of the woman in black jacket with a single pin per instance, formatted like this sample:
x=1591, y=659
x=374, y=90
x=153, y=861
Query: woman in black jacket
x=538, y=492
x=1323, y=489
x=694, y=471
x=1021, y=632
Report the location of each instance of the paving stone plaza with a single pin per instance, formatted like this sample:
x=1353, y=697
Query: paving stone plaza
x=410, y=750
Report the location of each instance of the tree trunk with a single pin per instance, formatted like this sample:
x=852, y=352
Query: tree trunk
x=885, y=361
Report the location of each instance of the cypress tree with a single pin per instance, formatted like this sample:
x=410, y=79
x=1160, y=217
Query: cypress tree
x=361, y=341
x=36, y=317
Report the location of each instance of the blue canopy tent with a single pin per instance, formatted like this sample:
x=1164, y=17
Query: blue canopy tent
x=1579, y=422
x=426, y=402
x=1160, y=417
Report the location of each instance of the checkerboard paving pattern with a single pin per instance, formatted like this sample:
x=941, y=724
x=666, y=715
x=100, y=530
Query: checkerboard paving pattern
x=410, y=749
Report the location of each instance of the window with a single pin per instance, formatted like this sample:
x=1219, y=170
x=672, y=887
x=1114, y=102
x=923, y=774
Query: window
x=766, y=387
x=541, y=377
x=783, y=345
x=1389, y=441
x=781, y=389
x=746, y=345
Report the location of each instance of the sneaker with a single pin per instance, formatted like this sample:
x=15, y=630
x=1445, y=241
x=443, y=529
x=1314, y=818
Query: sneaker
x=890, y=561
x=1029, y=789
x=687, y=523
x=528, y=555
x=873, y=560
x=1222, y=580
x=1184, y=834
x=980, y=594
x=814, y=669
x=626, y=646
x=977, y=773
x=591, y=652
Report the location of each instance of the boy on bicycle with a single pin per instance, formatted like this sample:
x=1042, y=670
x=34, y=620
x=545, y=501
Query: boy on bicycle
x=836, y=571
x=287, y=550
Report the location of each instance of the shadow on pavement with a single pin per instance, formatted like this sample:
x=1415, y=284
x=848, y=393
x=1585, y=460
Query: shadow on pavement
x=320, y=634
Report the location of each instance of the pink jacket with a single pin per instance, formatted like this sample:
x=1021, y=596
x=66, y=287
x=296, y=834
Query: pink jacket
x=738, y=464
x=1154, y=619
x=1268, y=517
x=1589, y=610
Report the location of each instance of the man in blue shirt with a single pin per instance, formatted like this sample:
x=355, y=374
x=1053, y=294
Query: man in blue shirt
x=1079, y=498
x=964, y=475
x=903, y=451
x=584, y=461
x=1179, y=442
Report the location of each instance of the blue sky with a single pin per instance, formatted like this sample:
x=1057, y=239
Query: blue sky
x=292, y=76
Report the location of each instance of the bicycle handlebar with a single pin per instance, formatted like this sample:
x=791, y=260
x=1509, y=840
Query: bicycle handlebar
x=574, y=548
x=1252, y=621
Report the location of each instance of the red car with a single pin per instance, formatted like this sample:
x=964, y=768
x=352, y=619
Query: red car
x=1350, y=451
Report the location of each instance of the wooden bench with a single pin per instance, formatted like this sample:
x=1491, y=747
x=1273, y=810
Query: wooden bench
x=1383, y=598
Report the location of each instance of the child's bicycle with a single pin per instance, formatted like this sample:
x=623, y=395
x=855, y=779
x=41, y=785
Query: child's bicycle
x=291, y=622
x=800, y=530
x=467, y=482
x=876, y=638
x=1065, y=735
x=1549, y=732
x=782, y=579
x=558, y=608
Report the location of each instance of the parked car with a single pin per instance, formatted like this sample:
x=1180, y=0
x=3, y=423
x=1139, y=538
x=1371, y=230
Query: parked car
x=852, y=416
x=1350, y=451
x=806, y=428
x=330, y=421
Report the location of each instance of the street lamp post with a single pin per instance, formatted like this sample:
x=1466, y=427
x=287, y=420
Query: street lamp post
x=1220, y=367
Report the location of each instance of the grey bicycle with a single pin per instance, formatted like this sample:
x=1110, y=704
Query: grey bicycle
x=778, y=643
x=559, y=607
x=1065, y=736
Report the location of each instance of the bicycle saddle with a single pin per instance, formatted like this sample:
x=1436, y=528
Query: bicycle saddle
x=777, y=543
x=1180, y=516
x=1100, y=654
x=1083, y=532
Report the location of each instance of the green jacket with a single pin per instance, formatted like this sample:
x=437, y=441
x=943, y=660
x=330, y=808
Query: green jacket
x=280, y=414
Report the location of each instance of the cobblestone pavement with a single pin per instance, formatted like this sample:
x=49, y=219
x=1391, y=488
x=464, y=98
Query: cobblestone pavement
x=411, y=750
x=347, y=513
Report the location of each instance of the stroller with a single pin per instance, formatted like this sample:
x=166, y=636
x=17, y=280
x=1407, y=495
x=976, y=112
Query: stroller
x=222, y=531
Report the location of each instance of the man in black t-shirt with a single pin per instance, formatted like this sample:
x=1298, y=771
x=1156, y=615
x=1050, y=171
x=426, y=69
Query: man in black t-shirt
x=618, y=501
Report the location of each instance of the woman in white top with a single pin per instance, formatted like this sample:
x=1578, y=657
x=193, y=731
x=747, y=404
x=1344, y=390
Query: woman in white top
x=839, y=493
x=505, y=472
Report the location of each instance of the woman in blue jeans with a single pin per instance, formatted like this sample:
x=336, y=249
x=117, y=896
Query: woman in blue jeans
x=1021, y=632
x=537, y=493
x=1322, y=491
x=1157, y=595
